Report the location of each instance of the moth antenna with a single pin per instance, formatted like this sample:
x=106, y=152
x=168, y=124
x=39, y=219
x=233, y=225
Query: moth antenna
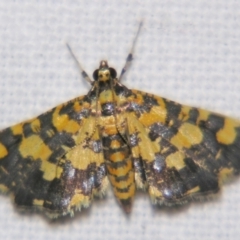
x=130, y=55
x=82, y=71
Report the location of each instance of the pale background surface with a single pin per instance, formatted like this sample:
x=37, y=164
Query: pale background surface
x=188, y=51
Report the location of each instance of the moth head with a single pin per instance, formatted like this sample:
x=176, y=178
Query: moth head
x=104, y=73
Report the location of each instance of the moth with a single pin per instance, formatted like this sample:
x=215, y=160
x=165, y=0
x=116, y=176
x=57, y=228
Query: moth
x=61, y=160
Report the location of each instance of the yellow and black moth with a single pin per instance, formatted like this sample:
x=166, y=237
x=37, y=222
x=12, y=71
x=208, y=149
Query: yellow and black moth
x=59, y=161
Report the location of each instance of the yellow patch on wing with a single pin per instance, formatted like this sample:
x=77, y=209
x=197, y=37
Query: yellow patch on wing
x=224, y=173
x=17, y=129
x=135, y=126
x=3, y=170
x=193, y=190
x=50, y=170
x=139, y=182
x=78, y=107
x=154, y=193
x=188, y=135
x=35, y=125
x=34, y=147
x=227, y=134
x=156, y=114
x=86, y=131
x=175, y=160
x=79, y=200
x=3, y=188
x=137, y=97
x=104, y=186
x=184, y=113
x=3, y=151
x=203, y=115
x=81, y=156
x=38, y=202
x=50, y=133
x=63, y=123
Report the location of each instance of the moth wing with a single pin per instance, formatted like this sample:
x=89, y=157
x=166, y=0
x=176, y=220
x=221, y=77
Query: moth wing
x=80, y=176
x=180, y=152
x=30, y=152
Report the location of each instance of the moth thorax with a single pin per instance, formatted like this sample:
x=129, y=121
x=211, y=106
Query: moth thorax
x=104, y=74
